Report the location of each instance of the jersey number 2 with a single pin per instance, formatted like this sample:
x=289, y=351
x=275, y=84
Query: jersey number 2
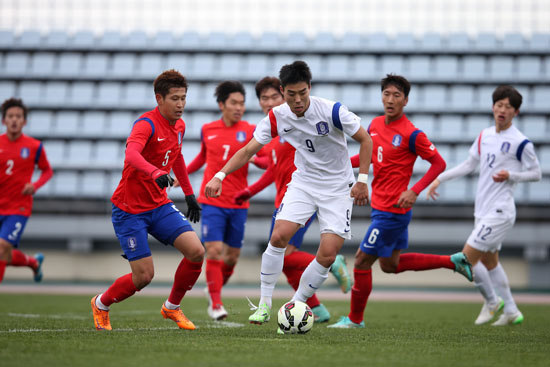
x=9, y=168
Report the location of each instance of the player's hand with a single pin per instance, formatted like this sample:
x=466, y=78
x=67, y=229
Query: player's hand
x=213, y=188
x=28, y=189
x=193, y=208
x=162, y=179
x=242, y=196
x=407, y=199
x=501, y=176
x=360, y=193
x=176, y=183
x=432, y=193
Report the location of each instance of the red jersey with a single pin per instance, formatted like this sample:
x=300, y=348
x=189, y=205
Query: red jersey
x=218, y=144
x=394, y=150
x=17, y=161
x=282, y=159
x=137, y=192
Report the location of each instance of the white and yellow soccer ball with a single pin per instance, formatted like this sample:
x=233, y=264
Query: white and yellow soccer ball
x=295, y=317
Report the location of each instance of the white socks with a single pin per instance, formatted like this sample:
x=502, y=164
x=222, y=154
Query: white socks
x=312, y=278
x=502, y=287
x=272, y=267
x=100, y=304
x=483, y=282
x=170, y=305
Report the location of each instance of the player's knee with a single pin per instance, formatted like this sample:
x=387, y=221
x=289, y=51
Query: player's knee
x=143, y=279
x=196, y=254
x=278, y=240
x=388, y=268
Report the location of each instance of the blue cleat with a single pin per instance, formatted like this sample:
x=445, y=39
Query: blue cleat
x=462, y=265
x=320, y=314
x=346, y=323
x=38, y=272
x=340, y=271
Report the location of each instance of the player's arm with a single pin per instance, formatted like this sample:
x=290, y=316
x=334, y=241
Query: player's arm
x=214, y=186
x=260, y=161
x=264, y=181
x=193, y=208
x=360, y=191
x=198, y=161
x=530, y=168
x=135, y=159
x=45, y=175
x=464, y=168
x=437, y=165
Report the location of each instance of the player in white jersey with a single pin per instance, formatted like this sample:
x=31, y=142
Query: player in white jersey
x=323, y=180
x=506, y=157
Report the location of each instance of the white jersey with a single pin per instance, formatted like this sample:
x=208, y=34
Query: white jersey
x=322, y=159
x=507, y=150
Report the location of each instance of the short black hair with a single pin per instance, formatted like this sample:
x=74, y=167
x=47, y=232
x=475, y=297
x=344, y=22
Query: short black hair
x=167, y=80
x=507, y=91
x=225, y=88
x=266, y=83
x=398, y=81
x=13, y=102
x=294, y=73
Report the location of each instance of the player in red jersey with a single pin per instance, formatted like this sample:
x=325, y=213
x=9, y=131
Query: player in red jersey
x=19, y=154
x=223, y=221
x=396, y=145
x=281, y=166
x=141, y=205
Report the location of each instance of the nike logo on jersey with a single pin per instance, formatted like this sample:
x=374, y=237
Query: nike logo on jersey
x=211, y=137
x=161, y=139
x=287, y=130
x=373, y=134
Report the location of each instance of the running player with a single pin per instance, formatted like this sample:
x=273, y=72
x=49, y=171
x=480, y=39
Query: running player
x=505, y=157
x=223, y=221
x=323, y=181
x=396, y=145
x=281, y=167
x=19, y=154
x=141, y=206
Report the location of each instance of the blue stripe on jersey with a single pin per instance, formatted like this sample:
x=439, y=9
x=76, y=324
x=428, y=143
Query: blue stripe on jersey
x=150, y=123
x=412, y=141
x=38, y=152
x=520, y=149
x=336, y=115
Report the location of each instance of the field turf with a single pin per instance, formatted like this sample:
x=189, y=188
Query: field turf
x=57, y=330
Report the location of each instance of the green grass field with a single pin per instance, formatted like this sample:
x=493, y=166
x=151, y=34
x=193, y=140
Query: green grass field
x=52, y=330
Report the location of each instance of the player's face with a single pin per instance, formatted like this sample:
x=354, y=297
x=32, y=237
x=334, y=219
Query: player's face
x=504, y=113
x=14, y=121
x=394, y=101
x=233, y=108
x=270, y=98
x=171, y=106
x=297, y=97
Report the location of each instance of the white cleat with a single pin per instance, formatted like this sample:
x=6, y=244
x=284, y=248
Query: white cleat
x=488, y=312
x=515, y=318
x=217, y=313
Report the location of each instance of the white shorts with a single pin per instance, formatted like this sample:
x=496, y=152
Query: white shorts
x=333, y=212
x=489, y=233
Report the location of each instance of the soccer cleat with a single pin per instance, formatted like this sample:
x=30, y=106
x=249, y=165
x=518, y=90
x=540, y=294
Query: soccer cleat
x=178, y=317
x=279, y=331
x=515, y=318
x=488, y=312
x=261, y=315
x=320, y=314
x=340, y=272
x=101, y=317
x=346, y=323
x=462, y=265
x=217, y=313
x=38, y=272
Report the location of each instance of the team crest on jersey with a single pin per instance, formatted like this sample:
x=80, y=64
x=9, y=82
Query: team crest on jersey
x=25, y=153
x=132, y=243
x=505, y=147
x=396, y=141
x=322, y=128
x=241, y=136
x=180, y=137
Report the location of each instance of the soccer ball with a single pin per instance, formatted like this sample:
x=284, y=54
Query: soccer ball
x=295, y=317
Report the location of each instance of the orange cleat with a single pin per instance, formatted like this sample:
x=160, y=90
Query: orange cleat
x=101, y=317
x=178, y=317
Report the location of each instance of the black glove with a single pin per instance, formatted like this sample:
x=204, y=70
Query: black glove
x=164, y=181
x=193, y=208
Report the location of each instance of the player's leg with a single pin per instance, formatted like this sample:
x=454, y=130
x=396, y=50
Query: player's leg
x=511, y=315
x=11, y=230
x=233, y=241
x=5, y=256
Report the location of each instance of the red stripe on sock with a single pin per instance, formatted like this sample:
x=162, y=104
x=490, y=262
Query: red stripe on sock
x=360, y=292
x=121, y=289
x=214, y=280
x=186, y=275
x=417, y=262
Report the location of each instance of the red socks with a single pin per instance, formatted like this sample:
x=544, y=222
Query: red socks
x=298, y=260
x=121, y=289
x=293, y=267
x=214, y=280
x=185, y=278
x=3, y=264
x=227, y=271
x=417, y=261
x=20, y=259
x=360, y=293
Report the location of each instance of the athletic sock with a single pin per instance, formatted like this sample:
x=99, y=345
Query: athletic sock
x=312, y=278
x=360, y=292
x=293, y=276
x=186, y=275
x=227, y=271
x=18, y=258
x=483, y=283
x=298, y=260
x=214, y=280
x=3, y=264
x=418, y=262
x=502, y=287
x=121, y=289
x=271, y=268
